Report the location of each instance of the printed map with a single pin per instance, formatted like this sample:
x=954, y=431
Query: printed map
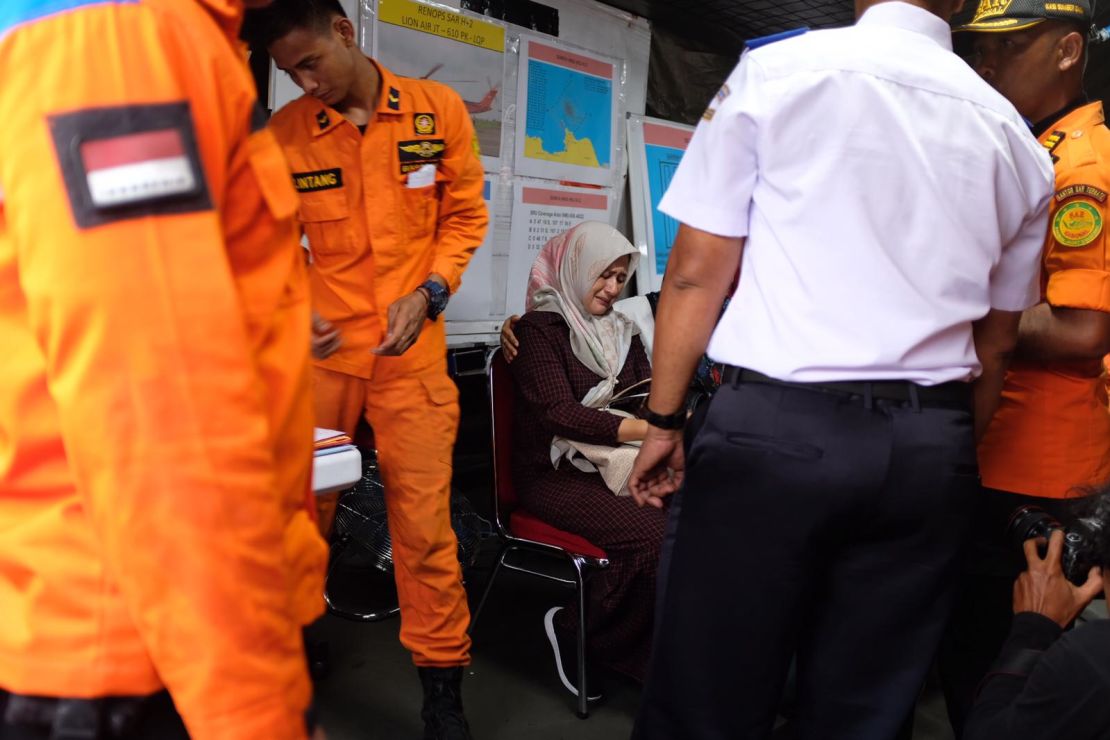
x=569, y=117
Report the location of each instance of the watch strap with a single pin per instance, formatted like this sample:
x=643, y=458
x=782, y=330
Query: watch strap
x=677, y=420
x=437, y=296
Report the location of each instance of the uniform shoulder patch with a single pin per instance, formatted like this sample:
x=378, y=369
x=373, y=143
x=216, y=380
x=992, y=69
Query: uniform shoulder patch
x=1075, y=191
x=719, y=98
x=1052, y=142
x=1077, y=224
x=125, y=162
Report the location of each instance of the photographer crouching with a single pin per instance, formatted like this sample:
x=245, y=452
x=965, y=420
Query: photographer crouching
x=1048, y=683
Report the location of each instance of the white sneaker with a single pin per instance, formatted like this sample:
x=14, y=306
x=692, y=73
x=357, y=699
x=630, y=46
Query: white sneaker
x=549, y=627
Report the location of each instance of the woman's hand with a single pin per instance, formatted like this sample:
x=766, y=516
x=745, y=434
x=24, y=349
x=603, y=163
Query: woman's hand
x=632, y=430
x=510, y=346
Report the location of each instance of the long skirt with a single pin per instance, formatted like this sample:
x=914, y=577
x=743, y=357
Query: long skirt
x=621, y=598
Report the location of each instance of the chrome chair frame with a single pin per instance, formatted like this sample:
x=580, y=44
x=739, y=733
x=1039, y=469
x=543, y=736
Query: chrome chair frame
x=583, y=565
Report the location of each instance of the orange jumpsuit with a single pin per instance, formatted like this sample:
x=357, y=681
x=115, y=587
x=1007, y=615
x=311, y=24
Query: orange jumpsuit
x=156, y=527
x=381, y=212
x=1051, y=433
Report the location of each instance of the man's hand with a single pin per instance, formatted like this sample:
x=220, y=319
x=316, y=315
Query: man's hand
x=326, y=339
x=1045, y=590
x=406, y=318
x=659, y=468
x=510, y=346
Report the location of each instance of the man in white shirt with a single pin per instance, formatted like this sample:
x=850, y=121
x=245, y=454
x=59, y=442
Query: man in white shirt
x=887, y=210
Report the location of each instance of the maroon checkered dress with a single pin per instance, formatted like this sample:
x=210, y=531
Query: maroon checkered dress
x=550, y=383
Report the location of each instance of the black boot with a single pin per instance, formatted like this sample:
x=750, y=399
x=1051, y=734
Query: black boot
x=443, y=711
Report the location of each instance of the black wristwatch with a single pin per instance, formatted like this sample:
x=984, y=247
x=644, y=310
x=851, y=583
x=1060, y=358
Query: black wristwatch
x=437, y=296
x=677, y=420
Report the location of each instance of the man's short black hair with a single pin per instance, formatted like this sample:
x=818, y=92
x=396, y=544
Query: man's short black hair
x=264, y=26
x=1096, y=505
x=1065, y=27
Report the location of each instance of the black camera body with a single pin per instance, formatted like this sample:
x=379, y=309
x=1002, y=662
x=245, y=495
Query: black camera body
x=1080, y=553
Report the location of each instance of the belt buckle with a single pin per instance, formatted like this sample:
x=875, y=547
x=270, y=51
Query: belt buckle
x=76, y=719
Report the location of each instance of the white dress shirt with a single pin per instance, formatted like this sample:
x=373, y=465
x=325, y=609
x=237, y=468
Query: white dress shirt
x=889, y=198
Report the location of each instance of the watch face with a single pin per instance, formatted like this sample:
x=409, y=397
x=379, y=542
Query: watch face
x=437, y=295
x=439, y=300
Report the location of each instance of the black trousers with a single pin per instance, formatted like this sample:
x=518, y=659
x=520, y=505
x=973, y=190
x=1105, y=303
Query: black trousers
x=814, y=524
x=984, y=605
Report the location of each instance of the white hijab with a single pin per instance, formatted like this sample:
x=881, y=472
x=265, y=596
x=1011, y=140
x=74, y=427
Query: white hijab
x=565, y=272
x=562, y=281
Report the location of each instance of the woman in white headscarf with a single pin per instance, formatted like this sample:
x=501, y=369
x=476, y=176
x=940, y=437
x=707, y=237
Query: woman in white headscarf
x=576, y=354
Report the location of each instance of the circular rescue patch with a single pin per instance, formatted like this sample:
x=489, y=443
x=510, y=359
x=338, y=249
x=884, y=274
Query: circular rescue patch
x=1077, y=224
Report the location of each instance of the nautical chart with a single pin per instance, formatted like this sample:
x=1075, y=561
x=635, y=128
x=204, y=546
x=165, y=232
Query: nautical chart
x=568, y=110
x=655, y=148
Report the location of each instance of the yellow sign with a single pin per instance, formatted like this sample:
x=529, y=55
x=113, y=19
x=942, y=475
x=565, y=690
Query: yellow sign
x=449, y=24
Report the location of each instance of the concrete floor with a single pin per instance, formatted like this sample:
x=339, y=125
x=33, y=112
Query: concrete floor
x=510, y=691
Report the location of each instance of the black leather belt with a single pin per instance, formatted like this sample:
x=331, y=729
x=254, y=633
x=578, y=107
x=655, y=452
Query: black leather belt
x=111, y=718
x=951, y=393
x=74, y=719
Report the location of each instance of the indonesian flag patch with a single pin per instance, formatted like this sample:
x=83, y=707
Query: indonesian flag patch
x=135, y=168
x=130, y=161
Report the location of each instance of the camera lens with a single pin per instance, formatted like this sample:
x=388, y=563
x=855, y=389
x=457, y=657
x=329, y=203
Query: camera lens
x=1030, y=522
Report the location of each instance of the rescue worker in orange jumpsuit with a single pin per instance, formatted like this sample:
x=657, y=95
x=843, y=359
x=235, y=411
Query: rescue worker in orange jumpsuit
x=1051, y=435
x=156, y=526
x=391, y=203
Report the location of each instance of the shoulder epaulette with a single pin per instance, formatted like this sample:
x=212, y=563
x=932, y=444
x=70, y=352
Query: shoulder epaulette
x=765, y=40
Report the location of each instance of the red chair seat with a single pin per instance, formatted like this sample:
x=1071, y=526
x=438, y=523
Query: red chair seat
x=523, y=524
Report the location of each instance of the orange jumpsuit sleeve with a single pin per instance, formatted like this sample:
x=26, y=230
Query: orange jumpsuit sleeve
x=148, y=362
x=1076, y=258
x=462, y=211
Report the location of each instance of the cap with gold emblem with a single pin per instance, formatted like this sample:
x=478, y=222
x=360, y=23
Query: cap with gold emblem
x=1013, y=15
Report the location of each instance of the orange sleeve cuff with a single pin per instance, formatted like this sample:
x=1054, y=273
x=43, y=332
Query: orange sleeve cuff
x=1088, y=289
x=448, y=269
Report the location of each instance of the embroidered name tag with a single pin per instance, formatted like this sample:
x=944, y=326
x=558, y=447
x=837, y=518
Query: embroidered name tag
x=310, y=182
